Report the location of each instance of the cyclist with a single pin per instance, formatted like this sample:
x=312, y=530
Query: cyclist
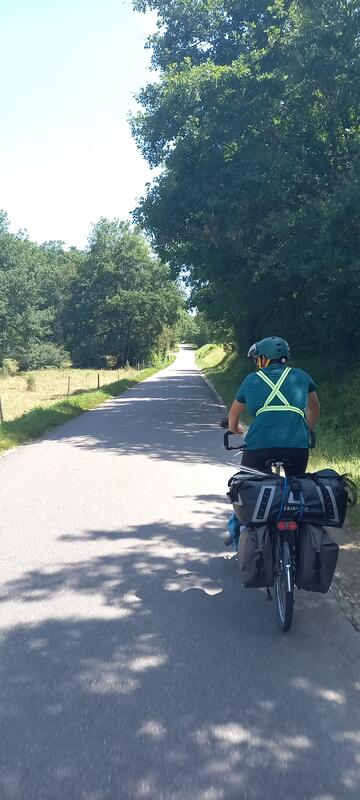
x=285, y=405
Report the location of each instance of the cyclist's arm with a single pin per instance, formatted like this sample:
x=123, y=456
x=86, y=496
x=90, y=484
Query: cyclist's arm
x=313, y=410
x=234, y=415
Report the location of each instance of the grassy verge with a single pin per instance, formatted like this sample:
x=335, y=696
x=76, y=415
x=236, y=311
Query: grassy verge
x=225, y=369
x=338, y=388
x=24, y=391
x=39, y=420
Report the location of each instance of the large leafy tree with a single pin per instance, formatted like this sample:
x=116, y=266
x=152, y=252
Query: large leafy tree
x=255, y=124
x=120, y=298
x=115, y=299
x=32, y=286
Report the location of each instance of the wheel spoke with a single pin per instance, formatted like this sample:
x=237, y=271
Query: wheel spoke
x=284, y=598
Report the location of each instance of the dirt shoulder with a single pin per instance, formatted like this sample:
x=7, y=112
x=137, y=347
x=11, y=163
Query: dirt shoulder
x=346, y=584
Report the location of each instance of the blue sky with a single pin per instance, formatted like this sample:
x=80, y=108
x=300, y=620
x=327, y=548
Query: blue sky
x=68, y=71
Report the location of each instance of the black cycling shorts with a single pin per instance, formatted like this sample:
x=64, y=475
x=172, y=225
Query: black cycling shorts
x=297, y=458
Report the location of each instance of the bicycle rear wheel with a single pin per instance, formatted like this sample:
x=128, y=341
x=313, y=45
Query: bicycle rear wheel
x=284, y=597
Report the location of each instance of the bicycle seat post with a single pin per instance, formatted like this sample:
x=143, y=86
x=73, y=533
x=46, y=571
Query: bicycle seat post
x=277, y=464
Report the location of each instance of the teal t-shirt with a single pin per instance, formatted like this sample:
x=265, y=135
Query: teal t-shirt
x=276, y=428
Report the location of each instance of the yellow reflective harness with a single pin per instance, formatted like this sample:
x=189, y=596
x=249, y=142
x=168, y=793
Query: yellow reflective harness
x=275, y=392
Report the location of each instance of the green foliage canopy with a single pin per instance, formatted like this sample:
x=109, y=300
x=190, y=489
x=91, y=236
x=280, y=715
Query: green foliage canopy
x=32, y=289
x=255, y=124
x=116, y=299
x=120, y=298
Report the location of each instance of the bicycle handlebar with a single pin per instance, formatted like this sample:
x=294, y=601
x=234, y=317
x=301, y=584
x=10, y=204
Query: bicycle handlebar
x=312, y=438
x=226, y=442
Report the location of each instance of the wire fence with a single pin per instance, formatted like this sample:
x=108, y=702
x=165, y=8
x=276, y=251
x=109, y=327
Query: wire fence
x=21, y=392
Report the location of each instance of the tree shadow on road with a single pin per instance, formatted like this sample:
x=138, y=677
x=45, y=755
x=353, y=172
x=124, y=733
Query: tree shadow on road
x=168, y=417
x=162, y=678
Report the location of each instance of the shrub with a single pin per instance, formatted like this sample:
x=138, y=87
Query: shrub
x=42, y=354
x=30, y=383
x=156, y=359
x=109, y=362
x=10, y=366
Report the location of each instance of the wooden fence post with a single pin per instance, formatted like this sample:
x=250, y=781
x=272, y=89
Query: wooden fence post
x=1, y=412
x=68, y=389
x=98, y=380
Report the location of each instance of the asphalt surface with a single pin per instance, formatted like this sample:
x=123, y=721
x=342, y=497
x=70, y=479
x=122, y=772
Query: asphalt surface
x=133, y=664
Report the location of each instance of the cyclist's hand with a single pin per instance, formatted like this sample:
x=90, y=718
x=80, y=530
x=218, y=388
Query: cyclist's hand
x=224, y=423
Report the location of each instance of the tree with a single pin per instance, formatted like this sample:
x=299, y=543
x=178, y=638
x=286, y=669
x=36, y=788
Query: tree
x=120, y=298
x=4, y=222
x=255, y=124
x=33, y=285
x=24, y=314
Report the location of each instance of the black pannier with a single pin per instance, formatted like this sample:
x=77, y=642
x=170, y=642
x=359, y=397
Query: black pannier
x=255, y=558
x=320, y=498
x=256, y=497
x=317, y=559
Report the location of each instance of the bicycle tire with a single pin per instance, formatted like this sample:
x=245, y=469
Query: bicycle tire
x=284, y=598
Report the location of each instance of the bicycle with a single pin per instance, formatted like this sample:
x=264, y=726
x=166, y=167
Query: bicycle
x=284, y=537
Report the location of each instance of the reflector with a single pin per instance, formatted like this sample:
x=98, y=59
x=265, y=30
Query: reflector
x=286, y=526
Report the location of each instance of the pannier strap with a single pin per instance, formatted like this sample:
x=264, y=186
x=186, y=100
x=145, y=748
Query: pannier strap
x=275, y=392
x=282, y=500
x=296, y=488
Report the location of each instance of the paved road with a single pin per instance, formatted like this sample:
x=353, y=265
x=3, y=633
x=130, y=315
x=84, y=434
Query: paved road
x=132, y=663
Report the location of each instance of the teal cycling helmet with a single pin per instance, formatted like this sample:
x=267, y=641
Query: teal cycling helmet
x=273, y=347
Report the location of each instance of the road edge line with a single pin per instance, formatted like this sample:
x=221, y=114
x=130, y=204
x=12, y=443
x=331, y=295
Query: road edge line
x=211, y=386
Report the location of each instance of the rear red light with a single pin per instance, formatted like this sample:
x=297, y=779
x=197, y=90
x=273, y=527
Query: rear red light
x=292, y=526
x=286, y=526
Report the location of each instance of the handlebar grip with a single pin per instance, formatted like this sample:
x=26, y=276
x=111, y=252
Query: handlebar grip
x=226, y=442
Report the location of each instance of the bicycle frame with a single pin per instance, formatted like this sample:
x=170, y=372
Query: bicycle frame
x=289, y=539
x=284, y=550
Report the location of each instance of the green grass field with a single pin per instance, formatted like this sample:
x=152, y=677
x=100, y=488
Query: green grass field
x=338, y=388
x=50, y=387
x=44, y=410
